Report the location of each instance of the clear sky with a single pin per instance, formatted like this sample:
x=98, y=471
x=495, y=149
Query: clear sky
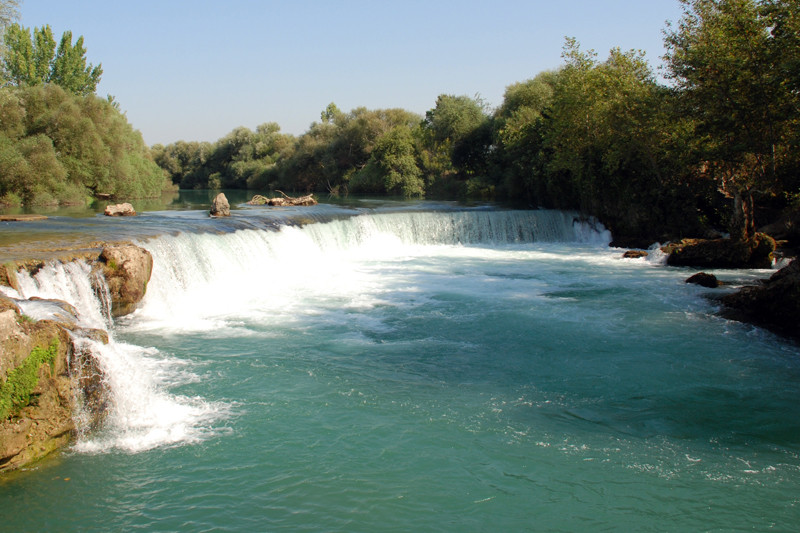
x=195, y=69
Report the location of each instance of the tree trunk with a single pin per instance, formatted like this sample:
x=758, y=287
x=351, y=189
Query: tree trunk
x=742, y=221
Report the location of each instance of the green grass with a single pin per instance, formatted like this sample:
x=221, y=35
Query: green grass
x=15, y=393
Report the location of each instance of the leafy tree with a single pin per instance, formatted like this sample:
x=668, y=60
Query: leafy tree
x=734, y=65
x=519, y=126
x=9, y=12
x=455, y=138
x=61, y=148
x=36, y=61
x=392, y=166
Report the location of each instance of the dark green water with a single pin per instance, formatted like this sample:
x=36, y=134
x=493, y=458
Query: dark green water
x=453, y=370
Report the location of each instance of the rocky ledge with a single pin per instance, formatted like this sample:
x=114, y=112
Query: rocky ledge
x=774, y=304
x=47, y=370
x=722, y=253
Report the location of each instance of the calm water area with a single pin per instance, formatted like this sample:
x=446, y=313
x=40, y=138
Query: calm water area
x=413, y=366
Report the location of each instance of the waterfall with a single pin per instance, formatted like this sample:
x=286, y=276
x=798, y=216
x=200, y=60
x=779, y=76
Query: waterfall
x=143, y=414
x=211, y=283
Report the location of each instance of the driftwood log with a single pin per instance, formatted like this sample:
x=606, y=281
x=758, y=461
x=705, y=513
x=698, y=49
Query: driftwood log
x=283, y=201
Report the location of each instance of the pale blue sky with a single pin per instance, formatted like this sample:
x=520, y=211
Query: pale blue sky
x=195, y=70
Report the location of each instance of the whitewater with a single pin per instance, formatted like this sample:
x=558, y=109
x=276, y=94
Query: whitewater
x=426, y=368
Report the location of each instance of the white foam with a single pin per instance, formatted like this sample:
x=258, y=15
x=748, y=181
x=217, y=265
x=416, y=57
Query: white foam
x=143, y=412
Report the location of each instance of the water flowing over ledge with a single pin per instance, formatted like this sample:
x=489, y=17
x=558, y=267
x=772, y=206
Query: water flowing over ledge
x=347, y=371
x=190, y=266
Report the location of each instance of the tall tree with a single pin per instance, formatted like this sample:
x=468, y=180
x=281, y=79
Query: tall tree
x=734, y=83
x=9, y=12
x=36, y=61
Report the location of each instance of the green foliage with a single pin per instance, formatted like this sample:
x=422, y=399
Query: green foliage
x=36, y=61
x=734, y=63
x=392, y=167
x=243, y=159
x=601, y=136
x=456, y=136
x=16, y=392
x=60, y=148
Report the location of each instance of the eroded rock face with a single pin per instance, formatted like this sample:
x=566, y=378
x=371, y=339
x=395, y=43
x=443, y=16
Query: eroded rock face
x=127, y=269
x=45, y=424
x=120, y=210
x=220, y=206
x=775, y=304
x=73, y=379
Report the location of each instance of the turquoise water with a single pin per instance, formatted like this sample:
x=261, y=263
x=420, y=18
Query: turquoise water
x=444, y=370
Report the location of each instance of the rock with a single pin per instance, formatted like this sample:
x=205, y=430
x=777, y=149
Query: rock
x=722, y=253
x=120, y=210
x=775, y=304
x=704, y=280
x=220, y=206
x=127, y=269
x=634, y=254
x=31, y=431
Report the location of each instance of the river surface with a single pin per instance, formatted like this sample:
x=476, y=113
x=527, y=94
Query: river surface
x=416, y=367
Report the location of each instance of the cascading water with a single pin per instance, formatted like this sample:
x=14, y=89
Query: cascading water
x=142, y=414
x=458, y=369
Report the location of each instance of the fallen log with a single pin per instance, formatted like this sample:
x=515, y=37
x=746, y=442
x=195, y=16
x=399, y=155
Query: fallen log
x=285, y=200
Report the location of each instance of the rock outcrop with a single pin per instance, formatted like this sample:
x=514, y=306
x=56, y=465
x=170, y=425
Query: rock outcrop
x=47, y=370
x=120, y=210
x=722, y=253
x=220, y=206
x=126, y=269
x=43, y=374
x=775, y=304
x=704, y=279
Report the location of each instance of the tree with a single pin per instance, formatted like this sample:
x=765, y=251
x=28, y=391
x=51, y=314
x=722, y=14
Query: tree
x=733, y=72
x=9, y=12
x=392, y=167
x=36, y=61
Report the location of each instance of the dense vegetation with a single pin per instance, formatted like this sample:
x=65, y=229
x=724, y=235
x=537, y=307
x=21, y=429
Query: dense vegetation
x=715, y=146
x=650, y=159
x=60, y=144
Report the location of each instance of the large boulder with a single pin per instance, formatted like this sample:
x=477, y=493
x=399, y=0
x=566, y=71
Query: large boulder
x=220, y=206
x=775, y=304
x=127, y=269
x=722, y=253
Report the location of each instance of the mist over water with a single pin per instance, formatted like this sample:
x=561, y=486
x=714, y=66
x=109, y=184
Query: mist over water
x=444, y=370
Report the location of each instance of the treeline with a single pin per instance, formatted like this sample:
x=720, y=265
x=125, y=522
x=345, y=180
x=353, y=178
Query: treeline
x=60, y=144
x=706, y=149
x=58, y=148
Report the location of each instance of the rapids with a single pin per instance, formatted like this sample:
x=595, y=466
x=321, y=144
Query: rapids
x=433, y=369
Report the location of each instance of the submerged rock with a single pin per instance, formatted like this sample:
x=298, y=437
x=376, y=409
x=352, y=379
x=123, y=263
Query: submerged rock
x=775, y=304
x=220, y=206
x=120, y=210
x=634, y=254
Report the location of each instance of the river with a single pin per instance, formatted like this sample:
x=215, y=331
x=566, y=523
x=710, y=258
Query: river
x=416, y=366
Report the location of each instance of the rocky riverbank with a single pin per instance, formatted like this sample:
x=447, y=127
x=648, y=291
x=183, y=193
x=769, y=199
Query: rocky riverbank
x=47, y=371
